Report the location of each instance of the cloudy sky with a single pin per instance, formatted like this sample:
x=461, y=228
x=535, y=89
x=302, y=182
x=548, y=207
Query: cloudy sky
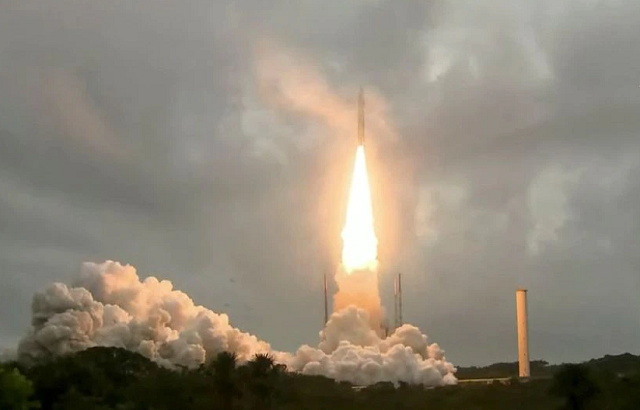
x=210, y=143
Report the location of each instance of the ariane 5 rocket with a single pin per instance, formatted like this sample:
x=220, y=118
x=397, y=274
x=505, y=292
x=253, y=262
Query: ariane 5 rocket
x=361, y=117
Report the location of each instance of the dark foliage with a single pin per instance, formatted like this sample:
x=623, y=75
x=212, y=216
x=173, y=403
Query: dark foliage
x=610, y=364
x=573, y=382
x=539, y=368
x=16, y=391
x=115, y=379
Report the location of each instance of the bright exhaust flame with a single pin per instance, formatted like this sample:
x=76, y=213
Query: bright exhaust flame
x=360, y=245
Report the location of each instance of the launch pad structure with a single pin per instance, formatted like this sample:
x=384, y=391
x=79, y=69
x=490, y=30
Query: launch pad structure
x=326, y=299
x=397, y=301
x=524, y=371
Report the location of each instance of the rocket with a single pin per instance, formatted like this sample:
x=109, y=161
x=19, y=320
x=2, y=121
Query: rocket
x=361, y=118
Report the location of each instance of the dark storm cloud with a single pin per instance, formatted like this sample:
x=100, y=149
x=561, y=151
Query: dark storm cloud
x=160, y=134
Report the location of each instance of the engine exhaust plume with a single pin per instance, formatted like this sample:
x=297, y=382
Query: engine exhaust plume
x=360, y=245
x=359, y=288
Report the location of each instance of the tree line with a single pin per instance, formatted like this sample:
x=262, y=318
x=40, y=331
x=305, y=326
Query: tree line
x=104, y=378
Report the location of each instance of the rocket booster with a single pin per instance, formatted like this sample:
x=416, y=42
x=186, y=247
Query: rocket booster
x=361, y=117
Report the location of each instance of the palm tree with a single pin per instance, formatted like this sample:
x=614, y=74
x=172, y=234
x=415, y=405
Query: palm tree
x=262, y=380
x=225, y=378
x=261, y=365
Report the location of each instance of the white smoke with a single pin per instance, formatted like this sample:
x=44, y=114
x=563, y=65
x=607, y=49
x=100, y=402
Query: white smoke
x=360, y=288
x=108, y=305
x=351, y=351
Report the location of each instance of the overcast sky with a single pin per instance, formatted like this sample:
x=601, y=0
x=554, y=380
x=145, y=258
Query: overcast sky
x=210, y=143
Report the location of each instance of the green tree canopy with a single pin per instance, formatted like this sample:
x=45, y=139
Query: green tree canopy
x=16, y=391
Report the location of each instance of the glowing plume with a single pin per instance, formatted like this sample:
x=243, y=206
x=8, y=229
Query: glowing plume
x=360, y=245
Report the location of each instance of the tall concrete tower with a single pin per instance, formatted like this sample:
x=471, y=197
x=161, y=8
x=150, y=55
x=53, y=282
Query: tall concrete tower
x=523, y=333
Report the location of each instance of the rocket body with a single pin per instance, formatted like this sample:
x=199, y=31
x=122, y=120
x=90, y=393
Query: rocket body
x=361, y=117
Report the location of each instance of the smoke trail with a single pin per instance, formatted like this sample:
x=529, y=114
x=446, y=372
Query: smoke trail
x=289, y=82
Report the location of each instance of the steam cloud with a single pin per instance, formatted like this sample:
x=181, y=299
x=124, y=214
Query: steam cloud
x=352, y=351
x=352, y=347
x=108, y=305
x=360, y=289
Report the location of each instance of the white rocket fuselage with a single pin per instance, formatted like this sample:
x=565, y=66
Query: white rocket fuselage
x=361, y=117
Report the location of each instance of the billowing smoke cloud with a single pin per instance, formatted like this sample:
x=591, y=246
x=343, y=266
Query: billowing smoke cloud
x=352, y=351
x=108, y=305
x=360, y=289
